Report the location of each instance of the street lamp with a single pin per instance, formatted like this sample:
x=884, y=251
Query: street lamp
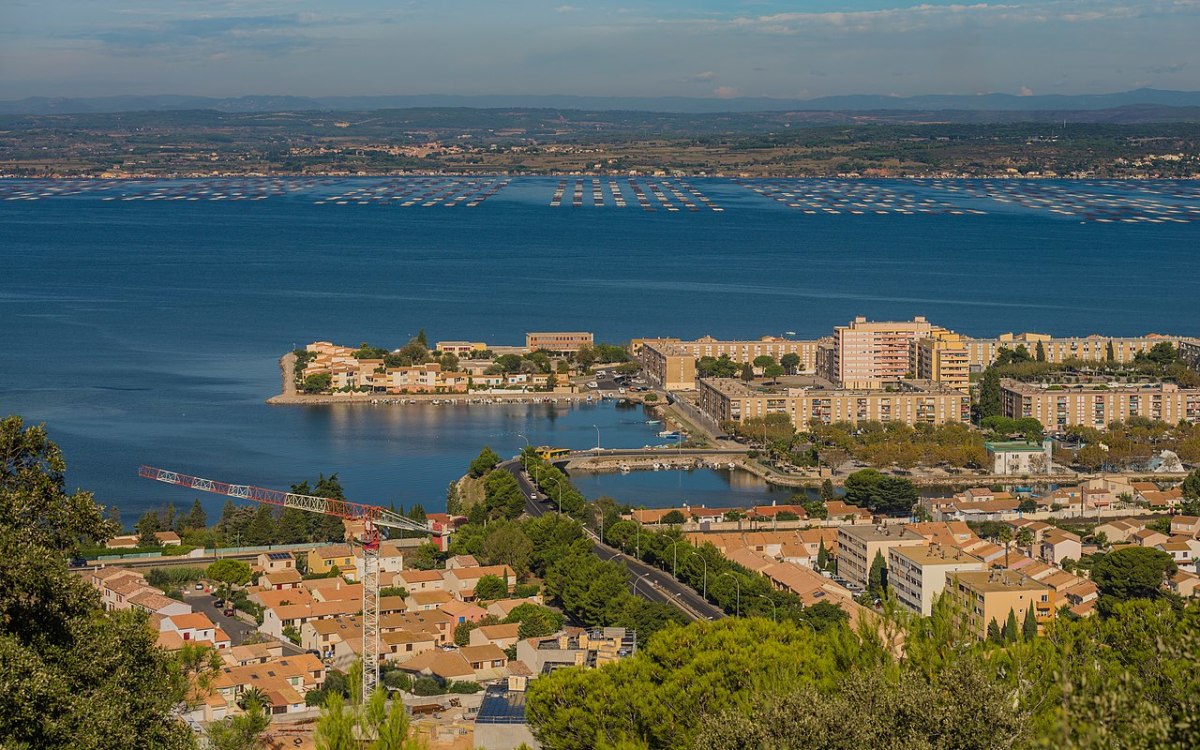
x=635, y=582
x=524, y=455
x=704, y=592
x=774, y=606
x=737, y=583
x=675, y=555
x=597, y=438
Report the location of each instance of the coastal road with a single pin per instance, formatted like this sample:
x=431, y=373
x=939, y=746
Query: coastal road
x=648, y=581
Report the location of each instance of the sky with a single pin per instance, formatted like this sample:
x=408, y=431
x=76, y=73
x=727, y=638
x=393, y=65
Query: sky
x=703, y=48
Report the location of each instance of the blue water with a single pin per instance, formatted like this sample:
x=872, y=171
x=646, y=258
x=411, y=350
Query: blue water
x=148, y=331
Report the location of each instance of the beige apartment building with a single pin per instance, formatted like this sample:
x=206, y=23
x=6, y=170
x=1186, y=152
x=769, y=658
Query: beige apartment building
x=1093, y=347
x=558, y=342
x=460, y=348
x=858, y=545
x=911, y=402
x=669, y=365
x=663, y=356
x=869, y=354
x=985, y=596
x=1058, y=406
x=917, y=575
x=943, y=357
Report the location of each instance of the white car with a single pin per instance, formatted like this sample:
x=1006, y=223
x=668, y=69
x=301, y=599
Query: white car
x=533, y=496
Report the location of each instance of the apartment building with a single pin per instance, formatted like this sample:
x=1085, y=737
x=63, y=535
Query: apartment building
x=910, y=402
x=986, y=596
x=460, y=348
x=1058, y=406
x=558, y=342
x=858, y=545
x=943, y=356
x=668, y=365
x=917, y=575
x=869, y=354
x=426, y=378
x=1093, y=347
x=672, y=360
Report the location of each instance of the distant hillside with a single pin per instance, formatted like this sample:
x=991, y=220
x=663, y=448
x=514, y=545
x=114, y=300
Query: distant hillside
x=1141, y=98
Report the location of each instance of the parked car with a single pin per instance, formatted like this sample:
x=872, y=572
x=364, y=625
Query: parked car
x=199, y=586
x=228, y=611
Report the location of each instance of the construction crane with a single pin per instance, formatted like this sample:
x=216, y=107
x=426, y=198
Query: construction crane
x=371, y=516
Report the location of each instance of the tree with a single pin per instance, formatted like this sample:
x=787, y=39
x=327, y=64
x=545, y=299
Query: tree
x=490, y=588
x=1010, y=631
x=502, y=495
x=508, y=544
x=827, y=491
x=747, y=372
x=993, y=632
x=822, y=556
x=147, y=527
x=674, y=517
x=317, y=382
x=232, y=572
x=763, y=361
x=1110, y=354
x=1040, y=354
x=536, y=621
x=1004, y=535
x=335, y=727
x=773, y=371
x=877, y=578
x=1025, y=537
x=1131, y=573
x=262, y=528
x=991, y=402
x=484, y=462
x=242, y=732
x=1191, y=485
x=1091, y=456
x=1029, y=628
x=73, y=675
x=870, y=488
x=790, y=362
x=196, y=518
x=585, y=357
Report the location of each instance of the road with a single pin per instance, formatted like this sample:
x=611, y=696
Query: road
x=237, y=630
x=648, y=581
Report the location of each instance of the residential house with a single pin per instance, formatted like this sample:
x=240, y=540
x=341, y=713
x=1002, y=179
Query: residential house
x=323, y=560
x=284, y=579
x=461, y=581
x=487, y=661
x=275, y=561
x=858, y=546
x=503, y=636
x=989, y=596
x=1059, y=545
x=1185, y=526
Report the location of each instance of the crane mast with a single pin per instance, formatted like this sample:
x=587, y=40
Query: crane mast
x=372, y=517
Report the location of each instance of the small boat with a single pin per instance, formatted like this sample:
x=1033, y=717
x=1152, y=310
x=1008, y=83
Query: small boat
x=669, y=434
x=653, y=421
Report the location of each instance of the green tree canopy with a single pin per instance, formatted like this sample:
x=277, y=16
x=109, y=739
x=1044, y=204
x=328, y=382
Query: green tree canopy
x=233, y=572
x=1131, y=573
x=484, y=462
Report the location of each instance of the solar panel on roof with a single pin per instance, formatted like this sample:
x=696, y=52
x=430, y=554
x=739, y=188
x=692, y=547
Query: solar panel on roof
x=278, y=555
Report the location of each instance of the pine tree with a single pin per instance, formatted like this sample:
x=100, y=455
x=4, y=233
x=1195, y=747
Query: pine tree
x=114, y=514
x=1040, y=352
x=993, y=632
x=335, y=728
x=228, y=517
x=1029, y=629
x=146, y=527
x=747, y=372
x=1110, y=354
x=262, y=527
x=877, y=580
x=822, y=556
x=196, y=517
x=827, y=491
x=422, y=339
x=991, y=403
x=292, y=527
x=1010, y=628
x=417, y=512
x=170, y=520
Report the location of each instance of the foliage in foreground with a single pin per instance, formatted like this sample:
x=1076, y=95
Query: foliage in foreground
x=71, y=676
x=1128, y=680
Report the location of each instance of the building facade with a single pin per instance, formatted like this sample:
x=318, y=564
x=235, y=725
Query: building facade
x=911, y=402
x=917, y=575
x=671, y=360
x=558, y=342
x=987, y=596
x=858, y=545
x=869, y=354
x=1058, y=406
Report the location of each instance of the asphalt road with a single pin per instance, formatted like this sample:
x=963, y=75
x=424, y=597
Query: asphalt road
x=238, y=630
x=649, y=582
